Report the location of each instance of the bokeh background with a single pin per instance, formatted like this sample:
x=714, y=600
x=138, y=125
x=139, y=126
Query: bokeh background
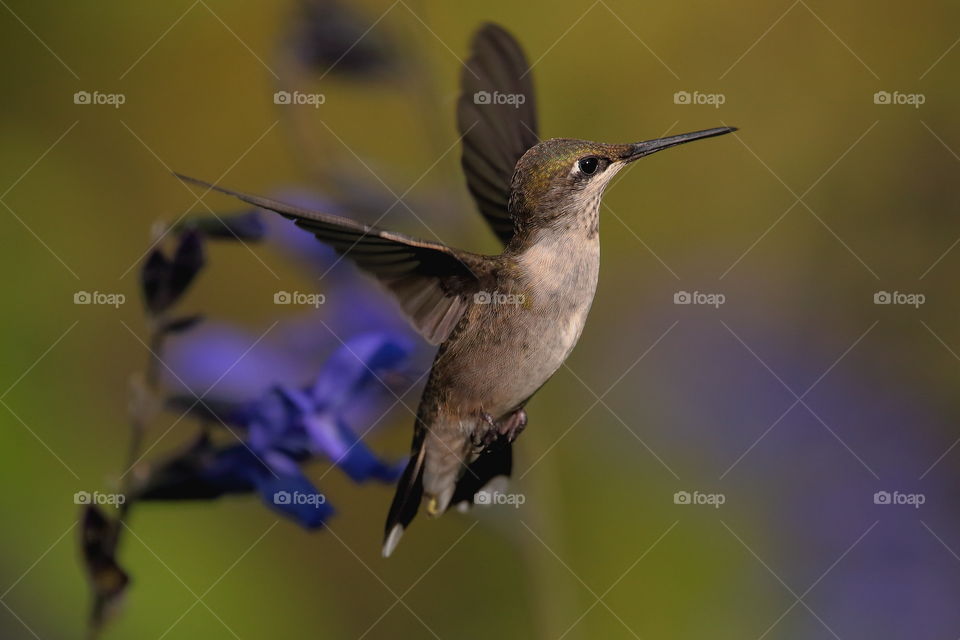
x=797, y=399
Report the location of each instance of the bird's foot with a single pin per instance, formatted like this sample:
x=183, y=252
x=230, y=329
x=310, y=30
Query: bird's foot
x=514, y=425
x=509, y=428
x=486, y=433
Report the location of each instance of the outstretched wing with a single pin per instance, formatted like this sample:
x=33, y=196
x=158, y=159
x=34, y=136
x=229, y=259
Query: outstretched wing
x=432, y=282
x=497, y=117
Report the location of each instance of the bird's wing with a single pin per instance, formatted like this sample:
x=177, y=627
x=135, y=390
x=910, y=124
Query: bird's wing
x=497, y=117
x=432, y=282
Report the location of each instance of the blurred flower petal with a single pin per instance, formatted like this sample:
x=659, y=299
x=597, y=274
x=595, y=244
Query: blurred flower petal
x=229, y=363
x=294, y=496
x=357, y=364
x=247, y=225
x=338, y=442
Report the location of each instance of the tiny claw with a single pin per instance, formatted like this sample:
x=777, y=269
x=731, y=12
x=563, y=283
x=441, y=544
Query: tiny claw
x=485, y=437
x=514, y=425
x=509, y=428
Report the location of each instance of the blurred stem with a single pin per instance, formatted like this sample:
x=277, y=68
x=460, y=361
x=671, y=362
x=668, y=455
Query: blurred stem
x=141, y=410
x=551, y=582
x=157, y=338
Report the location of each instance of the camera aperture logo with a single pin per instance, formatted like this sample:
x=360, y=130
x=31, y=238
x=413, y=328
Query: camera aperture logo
x=299, y=497
x=512, y=99
x=711, y=99
x=699, y=498
x=96, y=97
x=896, y=97
x=96, y=297
x=897, y=498
x=499, y=297
x=699, y=297
x=298, y=97
x=96, y=497
x=488, y=498
x=299, y=298
x=900, y=298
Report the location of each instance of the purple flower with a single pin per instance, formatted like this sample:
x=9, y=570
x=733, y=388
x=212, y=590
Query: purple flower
x=285, y=428
x=257, y=386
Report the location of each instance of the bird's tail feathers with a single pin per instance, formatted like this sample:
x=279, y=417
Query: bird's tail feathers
x=406, y=500
x=488, y=472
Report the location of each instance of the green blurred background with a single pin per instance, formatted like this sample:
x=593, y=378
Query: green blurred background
x=83, y=184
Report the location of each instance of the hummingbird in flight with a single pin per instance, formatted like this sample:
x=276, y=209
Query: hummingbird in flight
x=504, y=323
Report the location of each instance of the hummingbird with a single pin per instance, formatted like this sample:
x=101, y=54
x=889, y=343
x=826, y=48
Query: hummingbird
x=504, y=323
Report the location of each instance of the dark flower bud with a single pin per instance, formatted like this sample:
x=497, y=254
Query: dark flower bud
x=165, y=280
x=329, y=36
x=98, y=546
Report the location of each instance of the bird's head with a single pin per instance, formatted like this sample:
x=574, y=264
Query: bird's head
x=559, y=177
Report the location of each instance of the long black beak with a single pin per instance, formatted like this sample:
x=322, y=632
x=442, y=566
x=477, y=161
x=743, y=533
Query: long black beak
x=641, y=149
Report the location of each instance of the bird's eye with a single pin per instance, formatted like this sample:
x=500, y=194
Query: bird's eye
x=588, y=165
